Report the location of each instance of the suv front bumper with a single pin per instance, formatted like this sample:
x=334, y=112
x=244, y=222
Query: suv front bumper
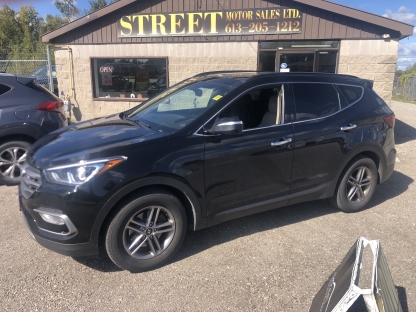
x=73, y=250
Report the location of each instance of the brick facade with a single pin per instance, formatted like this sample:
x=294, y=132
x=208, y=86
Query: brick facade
x=185, y=60
x=371, y=59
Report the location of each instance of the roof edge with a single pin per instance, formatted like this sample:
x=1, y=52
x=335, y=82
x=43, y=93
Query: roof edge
x=85, y=19
x=404, y=28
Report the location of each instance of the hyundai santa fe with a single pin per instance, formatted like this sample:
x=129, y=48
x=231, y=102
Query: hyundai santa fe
x=214, y=147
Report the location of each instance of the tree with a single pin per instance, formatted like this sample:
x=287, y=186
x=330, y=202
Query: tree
x=10, y=30
x=67, y=8
x=53, y=22
x=95, y=5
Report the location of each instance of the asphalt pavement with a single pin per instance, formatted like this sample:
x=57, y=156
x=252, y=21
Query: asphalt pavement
x=275, y=261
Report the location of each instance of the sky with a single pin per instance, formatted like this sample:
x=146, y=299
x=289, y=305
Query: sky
x=401, y=10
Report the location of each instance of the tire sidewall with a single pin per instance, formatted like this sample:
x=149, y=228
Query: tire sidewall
x=114, y=237
x=11, y=144
x=342, y=201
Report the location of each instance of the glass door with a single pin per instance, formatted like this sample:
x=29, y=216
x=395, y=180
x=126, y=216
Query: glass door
x=296, y=61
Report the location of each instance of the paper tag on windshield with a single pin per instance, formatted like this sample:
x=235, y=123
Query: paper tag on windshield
x=217, y=97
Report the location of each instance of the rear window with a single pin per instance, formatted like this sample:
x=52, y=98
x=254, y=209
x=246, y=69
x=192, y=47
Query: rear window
x=40, y=89
x=4, y=89
x=315, y=100
x=350, y=93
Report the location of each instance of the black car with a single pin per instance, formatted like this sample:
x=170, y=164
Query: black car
x=27, y=112
x=215, y=147
x=157, y=87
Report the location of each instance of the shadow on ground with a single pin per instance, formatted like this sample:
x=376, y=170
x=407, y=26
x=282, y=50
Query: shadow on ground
x=403, y=132
x=199, y=241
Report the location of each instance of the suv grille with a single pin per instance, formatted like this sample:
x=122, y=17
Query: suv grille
x=30, y=180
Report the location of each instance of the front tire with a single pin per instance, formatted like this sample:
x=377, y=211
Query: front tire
x=146, y=232
x=357, y=185
x=12, y=156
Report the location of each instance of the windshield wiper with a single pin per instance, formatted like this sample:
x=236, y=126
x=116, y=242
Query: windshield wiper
x=140, y=123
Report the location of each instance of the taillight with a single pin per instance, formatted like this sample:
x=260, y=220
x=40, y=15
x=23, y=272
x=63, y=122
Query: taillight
x=390, y=120
x=51, y=106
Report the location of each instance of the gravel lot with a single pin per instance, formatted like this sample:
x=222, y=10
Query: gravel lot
x=275, y=260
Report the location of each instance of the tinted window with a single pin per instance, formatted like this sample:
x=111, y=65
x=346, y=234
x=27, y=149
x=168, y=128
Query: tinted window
x=314, y=100
x=258, y=108
x=4, y=89
x=350, y=93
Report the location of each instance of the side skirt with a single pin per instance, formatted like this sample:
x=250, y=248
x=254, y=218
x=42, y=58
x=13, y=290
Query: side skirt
x=319, y=192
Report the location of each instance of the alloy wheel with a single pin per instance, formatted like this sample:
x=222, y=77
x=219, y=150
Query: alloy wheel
x=358, y=185
x=149, y=232
x=11, y=161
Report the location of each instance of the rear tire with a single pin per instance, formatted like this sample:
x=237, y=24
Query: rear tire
x=12, y=156
x=146, y=232
x=357, y=185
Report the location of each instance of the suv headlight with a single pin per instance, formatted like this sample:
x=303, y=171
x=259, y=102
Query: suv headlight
x=79, y=173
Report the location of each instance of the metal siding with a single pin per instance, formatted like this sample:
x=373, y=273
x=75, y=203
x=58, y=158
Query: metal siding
x=316, y=24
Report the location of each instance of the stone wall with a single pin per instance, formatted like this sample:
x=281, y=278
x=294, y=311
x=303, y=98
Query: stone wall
x=371, y=59
x=184, y=60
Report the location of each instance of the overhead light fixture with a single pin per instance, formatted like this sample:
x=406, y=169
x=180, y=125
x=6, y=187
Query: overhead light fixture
x=386, y=36
x=311, y=46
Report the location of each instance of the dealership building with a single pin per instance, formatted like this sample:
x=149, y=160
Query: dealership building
x=115, y=57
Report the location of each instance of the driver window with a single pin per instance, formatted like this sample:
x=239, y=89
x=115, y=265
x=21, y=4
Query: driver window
x=259, y=108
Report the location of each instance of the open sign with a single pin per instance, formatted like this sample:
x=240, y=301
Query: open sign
x=106, y=69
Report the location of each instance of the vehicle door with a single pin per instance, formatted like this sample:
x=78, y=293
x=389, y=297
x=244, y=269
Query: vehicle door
x=242, y=170
x=326, y=131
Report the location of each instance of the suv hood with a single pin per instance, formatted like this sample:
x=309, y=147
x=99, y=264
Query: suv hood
x=92, y=139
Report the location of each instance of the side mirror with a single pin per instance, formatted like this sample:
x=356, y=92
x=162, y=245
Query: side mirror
x=227, y=126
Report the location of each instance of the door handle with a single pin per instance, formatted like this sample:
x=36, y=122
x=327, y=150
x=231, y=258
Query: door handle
x=282, y=142
x=348, y=127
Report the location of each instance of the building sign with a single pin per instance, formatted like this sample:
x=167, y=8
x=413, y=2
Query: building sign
x=280, y=20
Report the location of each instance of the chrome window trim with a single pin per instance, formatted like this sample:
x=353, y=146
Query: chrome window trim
x=331, y=83
x=294, y=122
x=11, y=88
x=232, y=101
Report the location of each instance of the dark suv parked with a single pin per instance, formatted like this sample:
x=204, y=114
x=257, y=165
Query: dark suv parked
x=212, y=148
x=27, y=112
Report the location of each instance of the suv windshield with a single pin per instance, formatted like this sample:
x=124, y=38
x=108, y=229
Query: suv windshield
x=179, y=105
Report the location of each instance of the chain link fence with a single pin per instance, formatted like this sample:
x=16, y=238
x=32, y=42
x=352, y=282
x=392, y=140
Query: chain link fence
x=405, y=89
x=22, y=63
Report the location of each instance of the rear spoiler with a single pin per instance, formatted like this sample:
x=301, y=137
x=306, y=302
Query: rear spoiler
x=25, y=80
x=369, y=83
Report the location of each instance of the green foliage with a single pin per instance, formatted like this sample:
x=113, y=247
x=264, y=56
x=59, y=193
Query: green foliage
x=408, y=73
x=21, y=38
x=95, y=5
x=67, y=9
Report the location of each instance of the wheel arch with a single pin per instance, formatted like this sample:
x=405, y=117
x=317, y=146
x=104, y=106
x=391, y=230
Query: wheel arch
x=372, y=152
x=17, y=137
x=183, y=192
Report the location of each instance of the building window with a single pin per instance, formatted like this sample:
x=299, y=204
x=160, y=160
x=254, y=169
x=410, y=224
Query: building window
x=128, y=78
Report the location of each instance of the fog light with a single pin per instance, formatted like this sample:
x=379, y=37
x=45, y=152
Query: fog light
x=52, y=219
x=53, y=216
x=57, y=217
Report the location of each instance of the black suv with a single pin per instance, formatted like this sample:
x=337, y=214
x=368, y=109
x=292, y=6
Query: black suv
x=27, y=112
x=214, y=147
